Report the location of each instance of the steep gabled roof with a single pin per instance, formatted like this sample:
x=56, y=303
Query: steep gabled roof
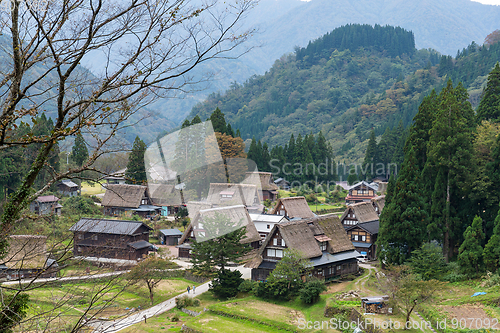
x=370, y=227
x=26, y=252
x=123, y=195
x=106, y=226
x=332, y=227
x=371, y=186
x=363, y=211
x=295, y=207
x=242, y=194
x=164, y=195
x=263, y=180
x=237, y=215
x=379, y=201
x=303, y=236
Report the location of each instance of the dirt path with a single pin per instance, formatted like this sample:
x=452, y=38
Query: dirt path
x=361, y=283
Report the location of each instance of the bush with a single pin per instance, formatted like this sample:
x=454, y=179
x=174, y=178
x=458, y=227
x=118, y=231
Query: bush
x=310, y=293
x=80, y=205
x=184, y=302
x=175, y=318
x=226, y=284
x=247, y=286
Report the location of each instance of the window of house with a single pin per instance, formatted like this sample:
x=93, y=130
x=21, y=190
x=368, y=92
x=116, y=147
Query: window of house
x=274, y=253
x=79, y=249
x=331, y=270
x=275, y=241
x=268, y=226
x=339, y=268
x=94, y=237
x=81, y=236
x=363, y=238
x=355, y=237
x=322, y=246
x=282, y=242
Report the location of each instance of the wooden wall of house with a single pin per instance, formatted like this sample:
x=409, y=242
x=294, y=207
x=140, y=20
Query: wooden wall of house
x=260, y=274
x=360, y=233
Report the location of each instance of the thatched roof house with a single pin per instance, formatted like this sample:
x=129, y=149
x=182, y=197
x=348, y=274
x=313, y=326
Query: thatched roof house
x=293, y=207
x=204, y=227
x=321, y=239
x=123, y=197
x=27, y=257
x=378, y=203
x=267, y=189
x=359, y=213
x=227, y=194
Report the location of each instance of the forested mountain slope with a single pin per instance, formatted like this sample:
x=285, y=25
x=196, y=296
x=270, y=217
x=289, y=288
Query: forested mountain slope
x=349, y=81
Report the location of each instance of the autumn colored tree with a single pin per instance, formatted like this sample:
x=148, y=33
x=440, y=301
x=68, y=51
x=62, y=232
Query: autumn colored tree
x=492, y=38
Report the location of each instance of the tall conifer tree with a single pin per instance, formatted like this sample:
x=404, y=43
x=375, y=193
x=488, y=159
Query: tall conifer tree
x=489, y=106
x=136, y=170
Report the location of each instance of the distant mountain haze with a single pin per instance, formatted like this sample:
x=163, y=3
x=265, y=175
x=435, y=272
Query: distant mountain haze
x=444, y=25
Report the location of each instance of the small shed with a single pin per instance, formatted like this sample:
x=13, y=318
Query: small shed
x=375, y=304
x=67, y=187
x=170, y=236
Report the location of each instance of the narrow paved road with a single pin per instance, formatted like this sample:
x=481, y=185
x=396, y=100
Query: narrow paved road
x=122, y=323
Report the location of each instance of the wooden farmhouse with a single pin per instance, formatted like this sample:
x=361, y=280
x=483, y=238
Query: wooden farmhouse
x=46, y=205
x=282, y=184
x=27, y=258
x=364, y=237
x=358, y=213
x=321, y=239
x=166, y=197
x=293, y=207
x=234, y=217
x=264, y=181
x=228, y=194
x=136, y=199
x=103, y=238
x=115, y=178
x=67, y=187
x=361, y=192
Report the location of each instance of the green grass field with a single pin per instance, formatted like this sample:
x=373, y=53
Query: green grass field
x=92, y=190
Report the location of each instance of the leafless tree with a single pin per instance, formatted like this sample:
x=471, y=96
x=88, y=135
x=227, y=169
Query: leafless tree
x=141, y=50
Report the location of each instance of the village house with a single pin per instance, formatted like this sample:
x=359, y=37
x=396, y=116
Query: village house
x=27, y=258
x=170, y=236
x=378, y=203
x=228, y=194
x=364, y=237
x=115, y=239
x=46, y=205
x=358, y=213
x=321, y=239
x=135, y=199
x=115, y=178
x=264, y=223
x=282, y=184
x=361, y=192
x=234, y=217
x=264, y=181
x=166, y=197
x=67, y=187
x=292, y=207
